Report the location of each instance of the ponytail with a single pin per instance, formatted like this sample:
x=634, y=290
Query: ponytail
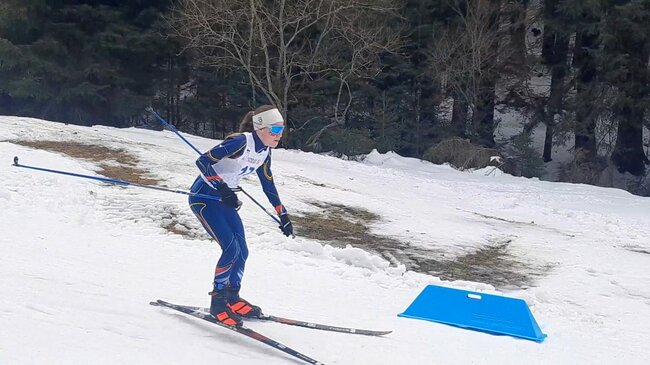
x=246, y=124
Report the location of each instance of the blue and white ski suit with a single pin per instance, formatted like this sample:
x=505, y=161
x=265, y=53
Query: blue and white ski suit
x=237, y=156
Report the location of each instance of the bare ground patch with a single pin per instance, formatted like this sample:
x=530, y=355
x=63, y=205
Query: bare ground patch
x=341, y=225
x=493, y=264
x=178, y=222
x=116, y=164
x=113, y=163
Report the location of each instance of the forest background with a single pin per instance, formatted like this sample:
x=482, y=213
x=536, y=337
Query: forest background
x=431, y=79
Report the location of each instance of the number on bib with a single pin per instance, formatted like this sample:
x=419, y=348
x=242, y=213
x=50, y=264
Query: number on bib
x=246, y=170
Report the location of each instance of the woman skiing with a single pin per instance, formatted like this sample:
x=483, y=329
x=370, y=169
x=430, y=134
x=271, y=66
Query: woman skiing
x=221, y=169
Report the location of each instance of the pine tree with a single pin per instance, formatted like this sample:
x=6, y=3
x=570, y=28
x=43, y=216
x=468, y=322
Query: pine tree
x=627, y=49
x=555, y=55
x=587, y=17
x=84, y=61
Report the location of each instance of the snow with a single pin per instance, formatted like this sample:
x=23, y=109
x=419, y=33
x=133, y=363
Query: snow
x=80, y=260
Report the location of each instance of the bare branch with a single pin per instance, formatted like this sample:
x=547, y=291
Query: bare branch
x=278, y=42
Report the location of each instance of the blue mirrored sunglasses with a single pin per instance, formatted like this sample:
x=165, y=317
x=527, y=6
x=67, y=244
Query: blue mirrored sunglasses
x=276, y=129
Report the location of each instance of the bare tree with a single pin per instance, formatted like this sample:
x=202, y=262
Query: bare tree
x=465, y=58
x=280, y=42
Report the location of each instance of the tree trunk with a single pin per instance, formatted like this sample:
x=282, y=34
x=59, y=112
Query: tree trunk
x=628, y=154
x=169, y=91
x=554, y=53
x=548, y=142
x=585, y=125
x=630, y=38
x=459, y=116
x=177, y=93
x=483, y=116
x=517, y=32
x=418, y=120
x=555, y=101
x=383, y=118
x=483, y=113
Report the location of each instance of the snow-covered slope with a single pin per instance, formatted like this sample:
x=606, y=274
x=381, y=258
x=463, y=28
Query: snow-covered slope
x=80, y=260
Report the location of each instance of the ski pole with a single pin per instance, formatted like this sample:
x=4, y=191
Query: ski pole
x=173, y=129
x=114, y=181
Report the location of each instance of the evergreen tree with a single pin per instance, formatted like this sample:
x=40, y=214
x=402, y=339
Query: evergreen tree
x=555, y=56
x=587, y=42
x=83, y=61
x=627, y=48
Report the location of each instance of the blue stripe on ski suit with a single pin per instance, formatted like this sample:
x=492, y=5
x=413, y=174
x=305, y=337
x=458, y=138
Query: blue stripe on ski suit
x=223, y=223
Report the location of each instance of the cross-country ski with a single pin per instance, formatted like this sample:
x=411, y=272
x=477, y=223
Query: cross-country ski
x=299, y=323
x=239, y=329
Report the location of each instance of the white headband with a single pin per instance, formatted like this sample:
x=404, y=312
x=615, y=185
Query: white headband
x=267, y=118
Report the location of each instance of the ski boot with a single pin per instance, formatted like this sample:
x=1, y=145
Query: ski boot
x=241, y=306
x=220, y=309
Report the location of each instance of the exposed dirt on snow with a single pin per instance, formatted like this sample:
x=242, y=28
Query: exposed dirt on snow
x=341, y=225
x=113, y=163
x=491, y=264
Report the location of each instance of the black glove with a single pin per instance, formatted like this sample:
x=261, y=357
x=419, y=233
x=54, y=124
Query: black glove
x=286, y=227
x=228, y=197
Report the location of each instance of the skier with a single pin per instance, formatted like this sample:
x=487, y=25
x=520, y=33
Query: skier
x=221, y=169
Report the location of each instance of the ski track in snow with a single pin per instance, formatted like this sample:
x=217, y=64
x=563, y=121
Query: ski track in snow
x=81, y=260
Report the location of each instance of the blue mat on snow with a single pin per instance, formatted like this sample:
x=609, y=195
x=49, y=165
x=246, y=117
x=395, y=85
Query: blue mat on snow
x=478, y=311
